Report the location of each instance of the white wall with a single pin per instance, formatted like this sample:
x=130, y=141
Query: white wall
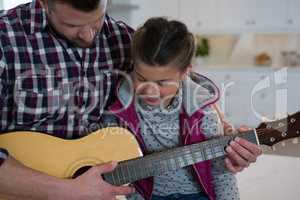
x=7, y=4
x=272, y=177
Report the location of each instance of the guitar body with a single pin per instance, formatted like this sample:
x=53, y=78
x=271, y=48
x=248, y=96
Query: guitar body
x=63, y=158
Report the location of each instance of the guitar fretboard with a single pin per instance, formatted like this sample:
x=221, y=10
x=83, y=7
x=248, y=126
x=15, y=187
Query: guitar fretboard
x=157, y=163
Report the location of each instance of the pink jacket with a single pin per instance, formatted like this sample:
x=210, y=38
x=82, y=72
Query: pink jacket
x=190, y=122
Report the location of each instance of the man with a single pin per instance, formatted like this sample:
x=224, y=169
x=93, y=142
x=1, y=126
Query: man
x=56, y=63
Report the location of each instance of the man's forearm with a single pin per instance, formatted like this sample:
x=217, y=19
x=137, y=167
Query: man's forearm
x=20, y=182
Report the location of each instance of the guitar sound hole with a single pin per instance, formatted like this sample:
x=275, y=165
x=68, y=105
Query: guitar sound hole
x=81, y=171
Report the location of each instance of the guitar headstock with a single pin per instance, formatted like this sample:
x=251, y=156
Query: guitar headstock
x=270, y=133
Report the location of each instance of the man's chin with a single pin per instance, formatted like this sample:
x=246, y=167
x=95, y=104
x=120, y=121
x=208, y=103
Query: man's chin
x=83, y=45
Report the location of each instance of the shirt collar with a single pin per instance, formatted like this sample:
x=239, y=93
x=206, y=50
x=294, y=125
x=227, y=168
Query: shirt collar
x=38, y=17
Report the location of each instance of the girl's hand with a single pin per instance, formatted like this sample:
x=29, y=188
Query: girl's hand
x=241, y=153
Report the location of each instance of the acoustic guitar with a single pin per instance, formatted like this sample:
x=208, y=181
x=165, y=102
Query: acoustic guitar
x=65, y=158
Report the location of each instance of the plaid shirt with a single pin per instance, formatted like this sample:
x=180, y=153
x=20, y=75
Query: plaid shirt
x=49, y=85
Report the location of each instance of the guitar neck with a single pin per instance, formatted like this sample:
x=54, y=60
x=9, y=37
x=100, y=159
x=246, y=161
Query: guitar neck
x=157, y=163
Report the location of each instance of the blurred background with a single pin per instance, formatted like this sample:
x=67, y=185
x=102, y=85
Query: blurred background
x=251, y=49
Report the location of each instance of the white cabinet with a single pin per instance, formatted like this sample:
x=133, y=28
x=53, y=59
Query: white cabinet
x=232, y=14
x=121, y=10
x=267, y=14
x=223, y=16
x=154, y=8
x=252, y=15
x=293, y=18
x=198, y=15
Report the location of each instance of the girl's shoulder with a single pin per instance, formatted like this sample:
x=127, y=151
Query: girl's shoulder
x=199, y=92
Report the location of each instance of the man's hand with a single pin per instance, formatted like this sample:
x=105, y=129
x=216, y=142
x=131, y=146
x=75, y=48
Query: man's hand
x=241, y=153
x=90, y=185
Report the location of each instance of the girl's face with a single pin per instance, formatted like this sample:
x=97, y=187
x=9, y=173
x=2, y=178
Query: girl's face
x=157, y=85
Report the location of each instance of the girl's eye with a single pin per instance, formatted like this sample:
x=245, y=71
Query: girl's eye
x=162, y=84
x=167, y=83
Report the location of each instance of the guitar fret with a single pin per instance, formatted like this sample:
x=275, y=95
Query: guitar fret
x=167, y=162
x=164, y=165
x=140, y=171
x=220, y=149
x=177, y=163
x=135, y=174
x=158, y=167
x=123, y=176
x=173, y=163
x=207, y=151
x=146, y=168
x=193, y=155
x=198, y=153
x=113, y=178
x=198, y=156
x=128, y=172
x=212, y=149
x=202, y=153
x=186, y=157
x=181, y=162
x=118, y=180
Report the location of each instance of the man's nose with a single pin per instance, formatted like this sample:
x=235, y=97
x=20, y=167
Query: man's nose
x=87, y=34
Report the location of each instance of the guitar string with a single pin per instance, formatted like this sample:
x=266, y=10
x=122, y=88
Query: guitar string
x=182, y=157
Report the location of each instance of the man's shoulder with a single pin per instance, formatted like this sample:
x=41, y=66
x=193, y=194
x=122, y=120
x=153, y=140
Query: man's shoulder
x=14, y=19
x=114, y=27
x=199, y=92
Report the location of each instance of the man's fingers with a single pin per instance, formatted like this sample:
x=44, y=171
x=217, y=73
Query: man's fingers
x=123, y=190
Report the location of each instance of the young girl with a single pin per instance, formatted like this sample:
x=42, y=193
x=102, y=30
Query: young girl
x=168, y=101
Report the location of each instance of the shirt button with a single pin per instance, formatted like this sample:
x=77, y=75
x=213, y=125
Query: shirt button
x=93, y=127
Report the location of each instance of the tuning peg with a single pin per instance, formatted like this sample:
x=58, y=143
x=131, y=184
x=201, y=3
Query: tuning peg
x=269, y=126
x=295, y=141
x=293, y=120
x=265, y=119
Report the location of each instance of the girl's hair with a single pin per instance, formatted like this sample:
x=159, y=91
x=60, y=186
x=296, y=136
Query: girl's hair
x=161, y=42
